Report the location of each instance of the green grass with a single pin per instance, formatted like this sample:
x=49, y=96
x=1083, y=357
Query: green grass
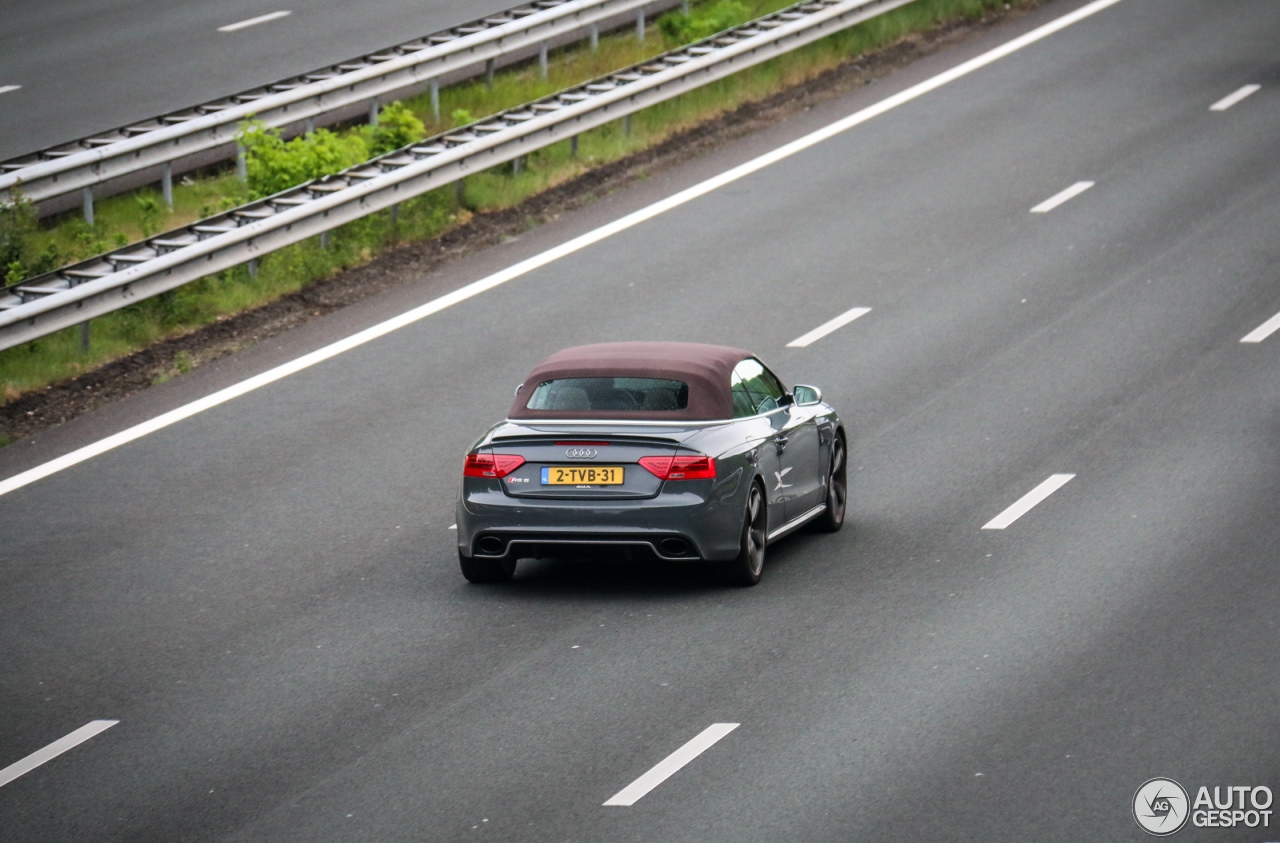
x=59, y=356
x=133, y=216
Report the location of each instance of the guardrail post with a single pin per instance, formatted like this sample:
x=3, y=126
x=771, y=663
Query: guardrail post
x=684, y=6
x=324, y=240
x=460, y=192
x=573, y=147
x=594, y=38
x=166, y=184
x=373, y=111
x=87, y=199
x=435, y=100
x=640, y=25
x=308, y=125
x=253, y=268
x=395, y=214
x=488, y=72
x=542, y=59
x=626, y=125
x=515, y=165
x=242, y=164
x=84, y=337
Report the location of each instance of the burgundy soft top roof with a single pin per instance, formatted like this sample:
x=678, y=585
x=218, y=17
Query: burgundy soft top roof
x=705, y=368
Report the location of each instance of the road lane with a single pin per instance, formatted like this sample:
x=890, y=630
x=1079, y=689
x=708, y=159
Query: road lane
x=297, y=656
x=90, y=65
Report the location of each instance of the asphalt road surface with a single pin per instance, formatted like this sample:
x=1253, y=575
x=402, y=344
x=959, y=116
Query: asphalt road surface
x=83, y=66
x=265, y=596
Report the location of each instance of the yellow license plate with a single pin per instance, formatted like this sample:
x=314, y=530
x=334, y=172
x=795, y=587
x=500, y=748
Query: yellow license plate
x=581, y=475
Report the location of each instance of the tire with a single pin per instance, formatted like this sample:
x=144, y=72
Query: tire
x=746, y=569
x=486, y=571
x=832, y=518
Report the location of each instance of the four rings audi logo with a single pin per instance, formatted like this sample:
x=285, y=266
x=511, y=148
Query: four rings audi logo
x=581, y=453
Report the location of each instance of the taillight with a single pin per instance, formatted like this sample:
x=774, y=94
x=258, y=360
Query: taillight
x=680, y=468
x=491, y=465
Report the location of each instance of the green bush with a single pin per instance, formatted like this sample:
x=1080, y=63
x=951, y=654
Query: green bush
x=679, y=28
x=17, y=225
x=274, y=164
x=397, y=127
x=149, y=212
x=19, y=259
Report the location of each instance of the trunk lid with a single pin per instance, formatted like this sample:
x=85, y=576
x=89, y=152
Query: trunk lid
x=586, y=466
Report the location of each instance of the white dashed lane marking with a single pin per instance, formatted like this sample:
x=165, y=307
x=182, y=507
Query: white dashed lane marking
x=670, y=765
x=54, y=749
x=1058, y=198
x=4, y=89
x=1027, y=502
x=245, y=24
x=827, y=327
x=1231, y=99
x=1263, y=331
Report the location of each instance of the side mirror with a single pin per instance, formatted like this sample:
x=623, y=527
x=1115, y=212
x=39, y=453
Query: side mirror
x=807, y=395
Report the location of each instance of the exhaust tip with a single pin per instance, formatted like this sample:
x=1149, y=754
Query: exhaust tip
x=492, y=546
x=674, y=547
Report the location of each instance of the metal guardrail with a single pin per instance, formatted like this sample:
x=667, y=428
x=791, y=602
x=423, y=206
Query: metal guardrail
x=81, y=164
x=111, y=281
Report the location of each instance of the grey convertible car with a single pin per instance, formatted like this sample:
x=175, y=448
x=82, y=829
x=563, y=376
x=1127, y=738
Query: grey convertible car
x=683, y=451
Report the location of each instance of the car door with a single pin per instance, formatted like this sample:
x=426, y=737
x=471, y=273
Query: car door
x=758, y=399
x=802, y=455
x=796, y=443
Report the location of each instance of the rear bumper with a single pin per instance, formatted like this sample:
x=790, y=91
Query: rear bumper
x=701, y=521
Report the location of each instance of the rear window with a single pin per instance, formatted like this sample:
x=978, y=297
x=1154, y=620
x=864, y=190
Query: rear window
x=630, y=394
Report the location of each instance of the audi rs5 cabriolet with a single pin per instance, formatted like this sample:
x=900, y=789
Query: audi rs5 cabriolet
x=683, y=451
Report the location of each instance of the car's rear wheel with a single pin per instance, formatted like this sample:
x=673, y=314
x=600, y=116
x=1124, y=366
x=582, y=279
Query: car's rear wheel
x=486, y=570
x=832, y=518
x=746, y=569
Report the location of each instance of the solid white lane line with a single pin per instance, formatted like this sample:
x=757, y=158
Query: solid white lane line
x=54, y=749
x=827, y=327
x=554, y=254
x=1230, y=100
x=1263, y=331
x=4, y=89
x=244, y=24
x=453, y=526
x=1058, y=198
x=632, y=793
x=1027, y=502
